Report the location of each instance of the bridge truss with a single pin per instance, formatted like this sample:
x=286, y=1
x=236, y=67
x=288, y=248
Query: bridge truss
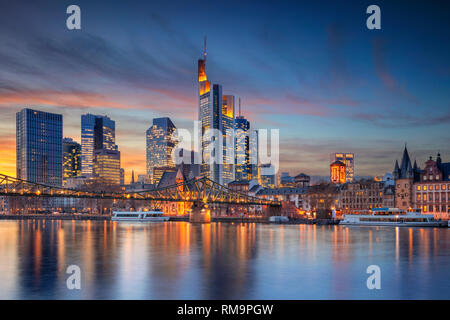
x=195, y=190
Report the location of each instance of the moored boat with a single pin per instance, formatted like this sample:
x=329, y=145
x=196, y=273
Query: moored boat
x=141, y=216
x=393, y=217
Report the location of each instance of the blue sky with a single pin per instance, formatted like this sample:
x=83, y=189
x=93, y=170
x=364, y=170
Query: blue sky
x=311, y=69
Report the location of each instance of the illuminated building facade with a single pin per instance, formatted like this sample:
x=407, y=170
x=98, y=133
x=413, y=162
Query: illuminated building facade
x=97, y=132
x=254, y=171
x=160, y=144
x=71, y=159
x=337, y=172
x=267, y=176
x=360, y=197
x=106, y=166
x=242, y=149
x=348, y=159
x=170, y=178
x=39, y=146
x=227, y=127
x=321, y=199
x=431, y=193
x=216, y=112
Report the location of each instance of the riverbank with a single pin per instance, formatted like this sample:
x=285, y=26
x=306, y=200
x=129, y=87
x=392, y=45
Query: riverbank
x=53, y=217
x=173, y=218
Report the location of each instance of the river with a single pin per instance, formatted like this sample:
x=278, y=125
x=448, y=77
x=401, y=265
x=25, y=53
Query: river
x=179, y=260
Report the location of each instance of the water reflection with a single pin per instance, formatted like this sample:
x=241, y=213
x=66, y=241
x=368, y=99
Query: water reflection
x=178, y=260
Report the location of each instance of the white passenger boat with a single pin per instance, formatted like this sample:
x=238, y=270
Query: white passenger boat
x=393, y=217
x=141, y=216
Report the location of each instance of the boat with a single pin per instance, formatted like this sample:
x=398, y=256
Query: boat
x=141, y=216
x=393, y=217
x=278, y=219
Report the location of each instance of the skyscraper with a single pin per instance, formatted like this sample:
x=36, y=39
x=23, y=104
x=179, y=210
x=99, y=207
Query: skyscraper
x=216, y=116
x=106, y=166
x=243, y=170
x=160, y=144
x=348, y=160
x=71, y=159
x=97, y=132
x=227, y=127
x=39, y=142
x=254, y=172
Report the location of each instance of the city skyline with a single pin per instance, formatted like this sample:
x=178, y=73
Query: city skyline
x=369, y=102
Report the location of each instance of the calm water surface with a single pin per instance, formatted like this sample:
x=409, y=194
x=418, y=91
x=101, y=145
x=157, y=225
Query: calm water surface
x=178, y=260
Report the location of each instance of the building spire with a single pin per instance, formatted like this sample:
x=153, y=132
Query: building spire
x=204, y=53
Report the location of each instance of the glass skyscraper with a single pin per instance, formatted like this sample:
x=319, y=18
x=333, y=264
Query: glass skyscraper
x=254, y=172
x=97, y=132
x=39, y=143
x=216, y=112
x=242, y=149
x=227, y=127
x=106, y=166
x=160, y=144
x=71, y=159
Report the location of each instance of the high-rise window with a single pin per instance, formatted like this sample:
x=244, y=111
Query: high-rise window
x=160, y=144
x=39, y=141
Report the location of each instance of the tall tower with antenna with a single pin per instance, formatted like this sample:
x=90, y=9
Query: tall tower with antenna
x=215, y=114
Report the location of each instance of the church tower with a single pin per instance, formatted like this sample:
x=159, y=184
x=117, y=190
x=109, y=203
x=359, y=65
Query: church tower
x=404, y=176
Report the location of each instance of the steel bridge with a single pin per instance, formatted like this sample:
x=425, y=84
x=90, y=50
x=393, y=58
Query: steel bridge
x=194, y=190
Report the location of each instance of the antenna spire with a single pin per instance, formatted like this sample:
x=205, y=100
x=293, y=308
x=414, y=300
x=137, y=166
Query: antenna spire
x=204, y=54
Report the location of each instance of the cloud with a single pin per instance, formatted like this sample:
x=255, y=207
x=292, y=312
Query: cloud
x=8, y=154
x=382, y=71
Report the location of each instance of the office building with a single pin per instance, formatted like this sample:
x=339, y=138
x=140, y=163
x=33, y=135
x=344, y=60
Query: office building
x=254, y=172
x=71, y=159
x=160, y=144
x=227, y=127
x=39, y=147
x=106, y=166
x=97, y=132
x=242, y=167
x=216, y=116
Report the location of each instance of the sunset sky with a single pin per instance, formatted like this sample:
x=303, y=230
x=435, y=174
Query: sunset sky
x=313, y=70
